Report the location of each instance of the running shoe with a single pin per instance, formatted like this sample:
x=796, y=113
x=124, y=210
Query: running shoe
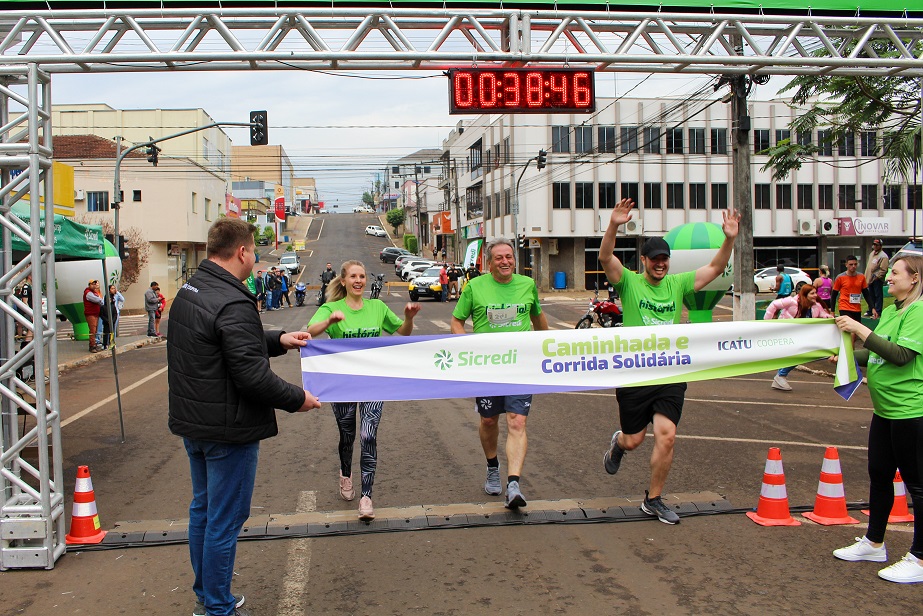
x=346, y=488
x=199, y=609
x=655, y=506
x=514, y=497
x=613, y=458
x=781, y=383
x=863, y=549
x=492, y=485
x=907, y=570
x=366, y=512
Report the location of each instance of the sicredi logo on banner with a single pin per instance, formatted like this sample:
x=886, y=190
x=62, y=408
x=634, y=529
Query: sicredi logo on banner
x=444, y=359
x=865, y=226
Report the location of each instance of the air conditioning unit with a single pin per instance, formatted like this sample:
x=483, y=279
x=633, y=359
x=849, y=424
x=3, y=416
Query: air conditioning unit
x=807, y=226
x=830, y=227
x=634, y=227
x=553, y=246
x=79, y=195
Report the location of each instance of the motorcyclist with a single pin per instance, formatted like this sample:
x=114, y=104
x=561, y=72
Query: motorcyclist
x=325, y=277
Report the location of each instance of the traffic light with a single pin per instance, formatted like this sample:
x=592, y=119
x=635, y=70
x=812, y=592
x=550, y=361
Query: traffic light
x=152, y=151
x=121, y=247
x=522, y=240
x=540, y=160
x=259, y=128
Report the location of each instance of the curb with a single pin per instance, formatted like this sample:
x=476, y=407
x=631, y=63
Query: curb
x=95, y=357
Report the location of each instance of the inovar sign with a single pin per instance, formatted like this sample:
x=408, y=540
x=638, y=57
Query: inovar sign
x=865, y=226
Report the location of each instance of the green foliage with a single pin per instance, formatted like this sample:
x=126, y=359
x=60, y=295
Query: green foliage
x=848, y=104
x=395, y=218
x=368, y=199
x=410, y=243
x=269, y=233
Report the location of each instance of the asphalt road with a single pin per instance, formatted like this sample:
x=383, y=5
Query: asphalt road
x=430, y=454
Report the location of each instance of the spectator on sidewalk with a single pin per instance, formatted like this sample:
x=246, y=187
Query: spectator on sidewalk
x=875, y=271
x=158, y=314
x=151, y=303
x=92, y=303
x=112, y=306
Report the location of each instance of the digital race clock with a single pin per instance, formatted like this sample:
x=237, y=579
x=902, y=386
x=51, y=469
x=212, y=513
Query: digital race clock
x=521, y=90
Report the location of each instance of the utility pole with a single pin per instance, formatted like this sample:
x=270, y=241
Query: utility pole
x=458, y=233
x=416, y=184
x=744, y=287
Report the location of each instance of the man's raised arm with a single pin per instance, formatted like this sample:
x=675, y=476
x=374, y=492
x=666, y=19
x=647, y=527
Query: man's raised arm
x=611, y=264
x=707, y=273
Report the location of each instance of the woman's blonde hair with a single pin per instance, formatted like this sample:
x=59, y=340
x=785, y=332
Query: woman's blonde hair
x=914, y=266
x=336, y=289
x=824, y=270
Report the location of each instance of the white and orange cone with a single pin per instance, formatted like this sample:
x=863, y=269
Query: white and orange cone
x=830, y=504
x=899, y=511
x=772, y=509
x=85, y=527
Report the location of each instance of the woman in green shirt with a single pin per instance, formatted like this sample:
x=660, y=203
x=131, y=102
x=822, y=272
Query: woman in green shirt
x=348, y=315
x=894, y=355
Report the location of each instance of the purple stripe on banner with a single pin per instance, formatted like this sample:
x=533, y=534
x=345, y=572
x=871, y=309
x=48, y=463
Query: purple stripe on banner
x=327, y=346
x=366, y=388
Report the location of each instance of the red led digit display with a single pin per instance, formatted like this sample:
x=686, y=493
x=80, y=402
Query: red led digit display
x=512, y=90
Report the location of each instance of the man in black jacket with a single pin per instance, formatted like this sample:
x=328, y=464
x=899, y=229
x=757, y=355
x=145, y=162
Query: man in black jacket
x=223, y=396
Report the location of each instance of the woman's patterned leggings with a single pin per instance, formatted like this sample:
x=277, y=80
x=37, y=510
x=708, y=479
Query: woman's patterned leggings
x=370, y=414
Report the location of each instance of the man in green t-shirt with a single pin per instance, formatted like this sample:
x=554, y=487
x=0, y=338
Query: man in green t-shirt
x=501, y=302
x=654, y=298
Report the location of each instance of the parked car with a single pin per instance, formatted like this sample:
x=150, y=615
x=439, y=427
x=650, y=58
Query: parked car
x=426, y=284
x=376, y=231
x=765, y=279
x=401, y=259
x=363, y=209
x=414, y=264
x=290, y=262
x=389, y=254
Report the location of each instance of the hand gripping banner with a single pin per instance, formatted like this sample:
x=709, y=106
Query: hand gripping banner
x=472, y=365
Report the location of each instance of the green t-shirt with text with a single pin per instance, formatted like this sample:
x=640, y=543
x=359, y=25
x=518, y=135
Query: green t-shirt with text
x=367, y=322
x=897, y=391
x=495, y=307
x=647, y=304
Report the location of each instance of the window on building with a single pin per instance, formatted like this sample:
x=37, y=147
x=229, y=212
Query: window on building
x=397, y=184
x=560, y=195
x=675, y=141
x=719, y=196
x=208, y=208
x=474, y=206
x=606, y=195
x=475, y=155
x=427, y=169
x=395, y=170
x=846, y=146
x=783, y=196
x=782, y=134
x=891, y=199
x=870, y=196
x=195, y=203
x=760, y=140
x=652, y=196
x=675, y=196
x=913, y=198
x=507, y=202
x=98, y=201
x=560, y=139
x=496, y=205
x=606, y=139
x=805, y=196
x=697, y=195
x=652, y=140
x=628, y=139
x=629, y=190
x=824, y=143
x=869, y=143
x=719, y=141
x=696, y=140
x=136, y=196
x=583, y=139
x=488, y=213
x=507, y=154
x=825, y=196
x=583, y=195
x=846, y=197
x=804, y=138
x=761, y=197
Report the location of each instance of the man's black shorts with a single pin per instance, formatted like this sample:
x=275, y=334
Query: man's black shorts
x=855, y=315
x=637, y=405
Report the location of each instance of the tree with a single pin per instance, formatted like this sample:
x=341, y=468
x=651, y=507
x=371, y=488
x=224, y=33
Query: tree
x=848, y=104
x=269, y=233
x=395, y=218
x=368, y=199
x=139, y=249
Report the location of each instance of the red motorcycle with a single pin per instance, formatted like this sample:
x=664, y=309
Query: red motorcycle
x=607, y=313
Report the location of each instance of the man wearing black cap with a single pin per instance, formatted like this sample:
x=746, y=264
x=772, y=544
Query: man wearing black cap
x=875, y=271
x=654, y=298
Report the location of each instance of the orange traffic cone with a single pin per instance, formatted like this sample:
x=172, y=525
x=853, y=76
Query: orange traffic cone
x=830, y=504
x=85, y=519
x=899, y=512
x=772, y=509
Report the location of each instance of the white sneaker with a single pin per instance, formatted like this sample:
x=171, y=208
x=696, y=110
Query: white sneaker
x=906, y=571
x=863, y=549
x=780, y=382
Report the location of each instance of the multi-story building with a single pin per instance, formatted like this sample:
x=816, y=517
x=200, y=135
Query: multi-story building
x=415, y=179
x=673, y=158
x=305, y=195
x=268, y=163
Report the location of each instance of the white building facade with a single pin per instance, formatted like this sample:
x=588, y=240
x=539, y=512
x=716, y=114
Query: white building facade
x=673, y=158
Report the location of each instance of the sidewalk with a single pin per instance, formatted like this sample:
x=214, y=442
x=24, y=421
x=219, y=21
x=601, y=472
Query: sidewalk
x=75, y=353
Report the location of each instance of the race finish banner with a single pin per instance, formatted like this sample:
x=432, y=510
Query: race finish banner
x=537, y=362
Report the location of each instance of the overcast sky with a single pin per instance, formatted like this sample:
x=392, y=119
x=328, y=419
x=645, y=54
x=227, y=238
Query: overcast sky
x=336, y=128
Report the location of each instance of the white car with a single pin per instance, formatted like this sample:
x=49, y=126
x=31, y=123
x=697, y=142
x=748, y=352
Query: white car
x=765, y=279
x=363, y=209
x=290, y=262
x=415, y=271
x=376, y=231
x=411, y=264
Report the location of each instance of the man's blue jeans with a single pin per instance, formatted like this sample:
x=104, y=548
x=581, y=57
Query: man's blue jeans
x=222, y=486
x=876, y=290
